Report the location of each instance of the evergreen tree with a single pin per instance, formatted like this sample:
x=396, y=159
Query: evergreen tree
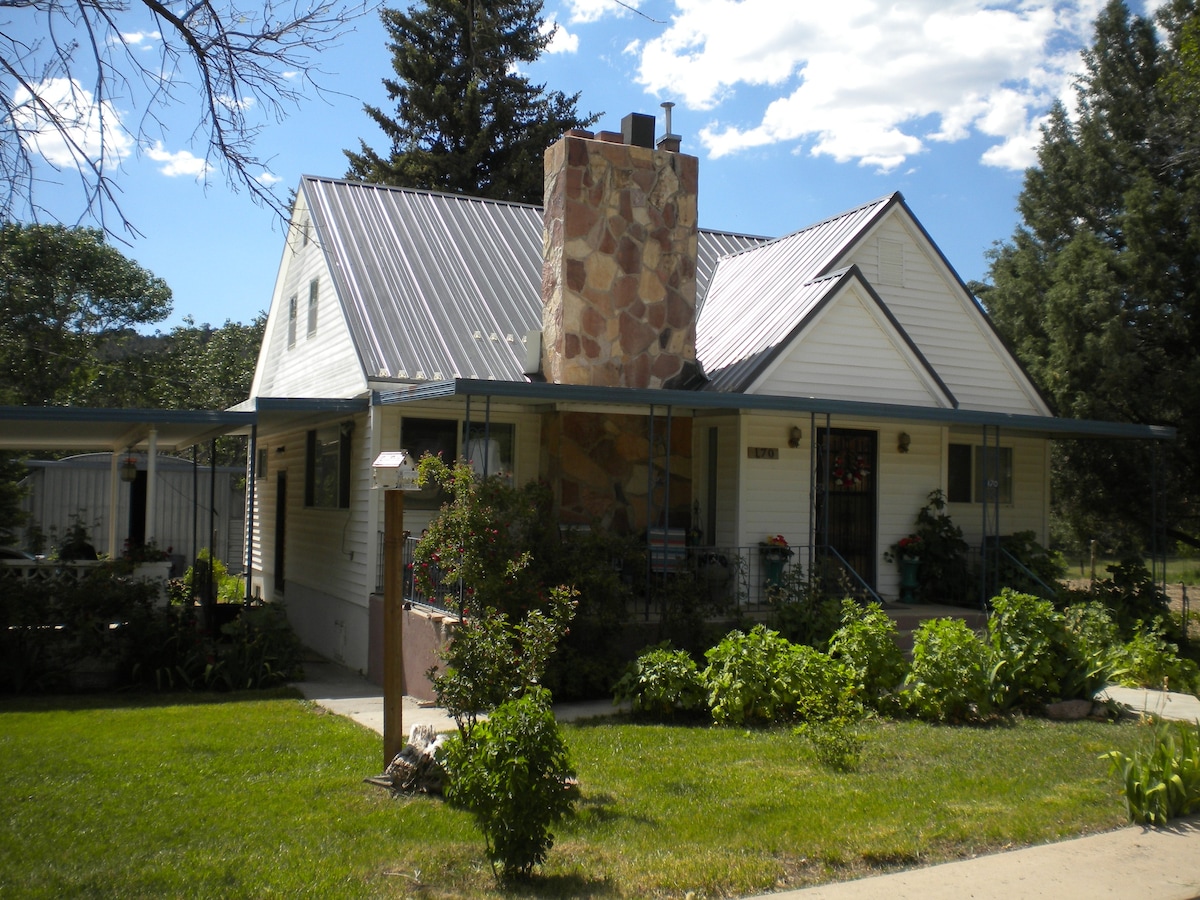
x=1098, y=289
x=466, y=120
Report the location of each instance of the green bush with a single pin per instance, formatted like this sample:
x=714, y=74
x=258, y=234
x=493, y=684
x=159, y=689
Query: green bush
x=866, y=644
x=1161, y=782
x=491, y=661
x=661, y=684
x=1128, y=593
x=514, y=776
x=1027, y=639
x=806, y=610
x=1148, y=659
x=761, y=678
x=1093, y=650
x=749, y=678
x=948, y=680
x=52, y=628
x=944, y=576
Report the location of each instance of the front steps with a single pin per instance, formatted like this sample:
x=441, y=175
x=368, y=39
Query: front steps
x=909, y=617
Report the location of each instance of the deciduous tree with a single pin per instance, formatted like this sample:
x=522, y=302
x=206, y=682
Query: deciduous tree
x=72, y=75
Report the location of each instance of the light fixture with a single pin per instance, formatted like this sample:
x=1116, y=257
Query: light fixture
x=393, y=470
x=794, y=436
x=129, y=469
x=902, y=442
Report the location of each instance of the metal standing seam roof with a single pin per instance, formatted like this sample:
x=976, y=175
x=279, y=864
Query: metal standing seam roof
x=438, y=286
x=761, y=296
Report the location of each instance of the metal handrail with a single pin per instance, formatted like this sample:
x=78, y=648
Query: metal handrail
x=852, y=573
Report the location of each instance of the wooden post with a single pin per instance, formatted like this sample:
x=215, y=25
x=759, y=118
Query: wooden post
x=393, y=625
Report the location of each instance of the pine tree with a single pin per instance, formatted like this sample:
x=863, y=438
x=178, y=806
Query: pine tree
x=466, y=120
x=1098, y=290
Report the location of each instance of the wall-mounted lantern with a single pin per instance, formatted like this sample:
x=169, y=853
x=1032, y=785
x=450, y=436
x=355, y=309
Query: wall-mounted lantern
x=903, y=441
x=794, y=435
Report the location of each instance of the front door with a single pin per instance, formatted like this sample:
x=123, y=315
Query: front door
x=846, y=497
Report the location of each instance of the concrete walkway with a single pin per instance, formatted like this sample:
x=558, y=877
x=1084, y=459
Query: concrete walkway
x=1133, y=862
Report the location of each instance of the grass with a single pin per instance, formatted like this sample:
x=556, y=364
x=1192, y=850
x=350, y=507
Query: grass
x=252, y=797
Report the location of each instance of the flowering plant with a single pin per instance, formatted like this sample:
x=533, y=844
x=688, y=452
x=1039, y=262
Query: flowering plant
x=906, y=548
x=775, y=547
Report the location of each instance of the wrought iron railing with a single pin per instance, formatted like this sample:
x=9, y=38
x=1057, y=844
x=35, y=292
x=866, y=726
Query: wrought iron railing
x=724, y=579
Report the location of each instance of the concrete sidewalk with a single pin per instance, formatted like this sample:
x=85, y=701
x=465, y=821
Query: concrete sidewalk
x=349, y=694
x=1133, y=862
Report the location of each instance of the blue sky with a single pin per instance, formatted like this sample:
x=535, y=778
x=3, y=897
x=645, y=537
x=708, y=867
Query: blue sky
x=797, y=111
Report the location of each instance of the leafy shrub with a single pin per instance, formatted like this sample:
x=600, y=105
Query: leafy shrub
x=1027, y=639
x=836, y=742
x=1093, y=650
x=1047, y=566
x=944, y=576
x=805, y=611
x=50, y=627
x=226, y=588
x=490, y=661
x=1148, y=659
x=514, y=776
x=662, y=683
x=948, y=680
x=1128, y=593
x=749, y=677
x=866, y=644
x=762, y=678
x=1162, y=782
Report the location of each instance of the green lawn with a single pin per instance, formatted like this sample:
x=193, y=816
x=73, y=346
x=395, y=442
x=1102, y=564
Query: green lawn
x=252, y=797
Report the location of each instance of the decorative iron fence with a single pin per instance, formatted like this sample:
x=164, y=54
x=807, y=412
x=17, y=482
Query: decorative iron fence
x=722, y=580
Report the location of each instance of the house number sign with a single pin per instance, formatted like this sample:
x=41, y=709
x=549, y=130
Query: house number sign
x=762, y=452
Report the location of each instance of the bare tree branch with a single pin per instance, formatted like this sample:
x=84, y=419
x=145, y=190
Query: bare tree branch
x=70, y=70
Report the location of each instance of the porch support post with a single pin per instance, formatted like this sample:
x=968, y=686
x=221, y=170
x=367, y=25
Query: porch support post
x=248, y=537
x=114, y=503
x=393, y=625
x=649, y=508
x=487, y=435
x=152, y=486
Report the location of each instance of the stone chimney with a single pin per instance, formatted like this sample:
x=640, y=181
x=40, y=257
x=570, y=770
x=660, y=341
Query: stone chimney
x=619, y=251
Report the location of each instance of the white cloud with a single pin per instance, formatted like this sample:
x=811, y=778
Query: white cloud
x=868, y=80
x=232, y=103
x=140, y=38
x=562, y=40
x=583, y=11
x=266, y=179
x=79, y=131
x=175, y=164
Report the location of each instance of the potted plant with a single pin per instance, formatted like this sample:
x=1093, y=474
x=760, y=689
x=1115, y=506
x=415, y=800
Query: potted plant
x=907, y=552
x=775, y=554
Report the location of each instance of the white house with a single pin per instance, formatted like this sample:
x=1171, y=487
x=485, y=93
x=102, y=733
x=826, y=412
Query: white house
x=817, y=386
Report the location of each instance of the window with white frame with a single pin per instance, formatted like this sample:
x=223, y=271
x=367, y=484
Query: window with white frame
x=976, y=473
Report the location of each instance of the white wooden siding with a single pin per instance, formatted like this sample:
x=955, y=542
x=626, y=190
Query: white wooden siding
x=943, y=322
x=850, y=353
x=775, y=492
x=323, y=364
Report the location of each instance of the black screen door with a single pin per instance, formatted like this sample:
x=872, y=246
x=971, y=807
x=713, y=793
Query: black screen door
x=846, y=505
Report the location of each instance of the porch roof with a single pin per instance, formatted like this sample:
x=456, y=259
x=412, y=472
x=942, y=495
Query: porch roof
x=642, y=400
x=84, y=428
